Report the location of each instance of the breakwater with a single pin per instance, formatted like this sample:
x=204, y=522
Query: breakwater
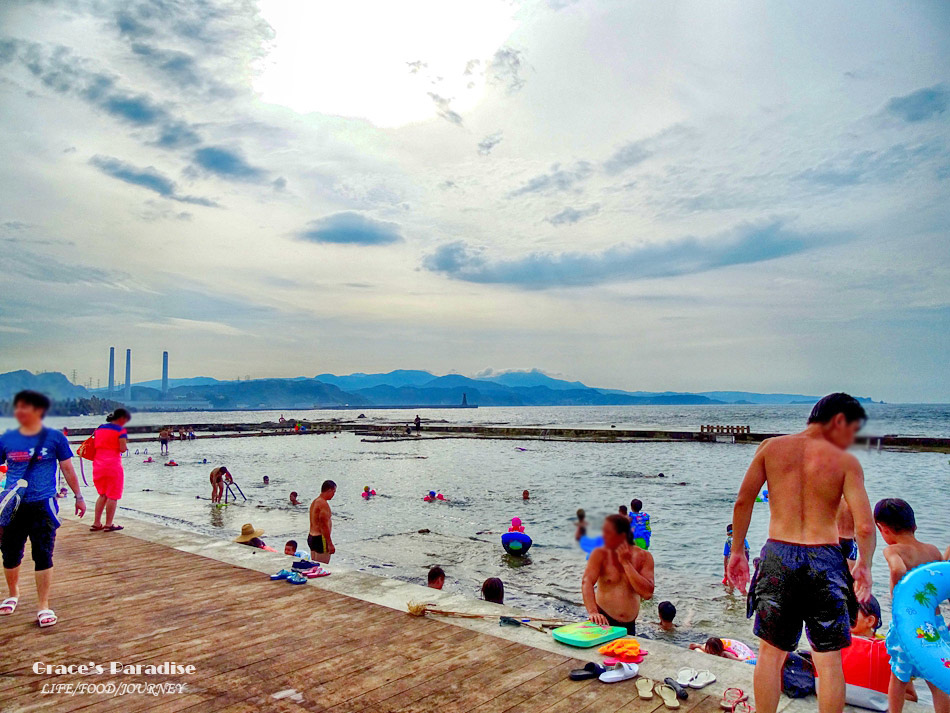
x=387, y=431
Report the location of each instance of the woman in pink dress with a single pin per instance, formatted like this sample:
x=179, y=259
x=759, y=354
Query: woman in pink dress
x=111, y=442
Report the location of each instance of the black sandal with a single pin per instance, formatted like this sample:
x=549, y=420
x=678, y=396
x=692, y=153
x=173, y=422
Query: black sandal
x=591, y=670
x=112, y=528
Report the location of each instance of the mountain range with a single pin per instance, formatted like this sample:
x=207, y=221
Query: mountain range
x=396, y=388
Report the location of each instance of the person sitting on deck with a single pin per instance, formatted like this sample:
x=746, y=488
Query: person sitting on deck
x=617, y=577
x=436, y=578
x=493, y=590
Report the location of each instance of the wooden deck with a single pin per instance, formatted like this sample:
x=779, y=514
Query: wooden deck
x=259, y=645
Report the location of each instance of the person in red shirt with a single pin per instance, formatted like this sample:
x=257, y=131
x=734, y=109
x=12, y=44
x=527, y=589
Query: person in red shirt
x=111, y=440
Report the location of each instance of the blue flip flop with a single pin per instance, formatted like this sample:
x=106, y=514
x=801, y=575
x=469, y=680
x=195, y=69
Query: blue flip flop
x=283, y=574
x=297, y=578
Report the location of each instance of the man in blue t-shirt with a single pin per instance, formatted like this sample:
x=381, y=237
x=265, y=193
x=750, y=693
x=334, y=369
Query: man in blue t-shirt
x=727, y=552
x=32, y=453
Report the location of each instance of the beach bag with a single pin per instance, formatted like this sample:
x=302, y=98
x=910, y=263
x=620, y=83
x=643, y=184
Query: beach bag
x=87, y=448
x=10, y=495
x=798, y=677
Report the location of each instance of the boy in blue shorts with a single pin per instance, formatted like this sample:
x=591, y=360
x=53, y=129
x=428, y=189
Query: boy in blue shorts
x=640, y=525
x=727, y=551
x=896, y=522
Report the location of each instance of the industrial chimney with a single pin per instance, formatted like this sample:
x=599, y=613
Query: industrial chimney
x=128, y=375
x=111, y=370
x=164, y=374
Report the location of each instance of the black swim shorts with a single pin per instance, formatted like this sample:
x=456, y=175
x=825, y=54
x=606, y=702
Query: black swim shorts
x=36, y=521
x=803, y=584
x=317, y=543
x=849, y=547
x=630, y=626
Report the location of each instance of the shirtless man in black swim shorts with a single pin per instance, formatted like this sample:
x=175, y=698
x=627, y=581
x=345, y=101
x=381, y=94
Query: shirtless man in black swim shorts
x=802, y=576
x=617, y=577
x=321, y=546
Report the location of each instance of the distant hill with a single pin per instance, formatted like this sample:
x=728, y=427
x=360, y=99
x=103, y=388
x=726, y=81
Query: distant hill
x=268, y=393
x=532, y=377
x=396, y=388
x=401, y=377
x=53, y=384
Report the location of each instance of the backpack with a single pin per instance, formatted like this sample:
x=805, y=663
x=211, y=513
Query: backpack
x=798, y=676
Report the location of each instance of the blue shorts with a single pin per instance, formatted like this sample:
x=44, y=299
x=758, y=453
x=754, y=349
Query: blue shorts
x=36, y=521
x=803, y=584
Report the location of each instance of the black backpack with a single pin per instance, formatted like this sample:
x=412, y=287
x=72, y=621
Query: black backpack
x=798, y=676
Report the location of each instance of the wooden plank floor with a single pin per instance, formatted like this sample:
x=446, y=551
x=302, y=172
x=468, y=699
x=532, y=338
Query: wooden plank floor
x=259, y=645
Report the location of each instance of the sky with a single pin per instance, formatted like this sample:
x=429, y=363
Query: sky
x=675, y=196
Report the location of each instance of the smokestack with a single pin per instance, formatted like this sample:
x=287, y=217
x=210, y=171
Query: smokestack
x=128, y=374
x=111, y=370
x=164, y=373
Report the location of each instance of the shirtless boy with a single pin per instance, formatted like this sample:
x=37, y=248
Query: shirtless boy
x=617, y=577
x=219, y=476
x=803, y=576
x=895, y=519
x=321, y=546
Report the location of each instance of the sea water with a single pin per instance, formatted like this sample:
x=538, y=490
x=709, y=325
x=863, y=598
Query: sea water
x=690, y=505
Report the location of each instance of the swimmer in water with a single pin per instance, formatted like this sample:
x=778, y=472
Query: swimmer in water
x=266, y=480
x=516, y=525
x=293, y=498
x=525, y=495
x=436, y=578
x=321, y=546
x=219, y=476
x=581, y=524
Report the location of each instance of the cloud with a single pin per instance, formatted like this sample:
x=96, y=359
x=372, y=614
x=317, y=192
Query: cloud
x=556, y=180
x=62, y=72
x=148, y=178
x=486, y=145
x=920, y=105
x=570, y=215
x=872, y=166
x=351, y=228
x=444, y=109
x=625, y=262
x=226, y=163
x=505, y=69
x=195, y=325
x=627, y=157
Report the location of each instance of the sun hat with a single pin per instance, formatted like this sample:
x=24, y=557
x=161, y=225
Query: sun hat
x=248, y=533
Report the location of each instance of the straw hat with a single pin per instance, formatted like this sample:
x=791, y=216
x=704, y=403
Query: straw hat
x=248, y=533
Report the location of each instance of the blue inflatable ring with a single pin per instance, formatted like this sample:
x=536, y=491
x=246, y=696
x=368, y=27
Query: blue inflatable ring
x=921, y=632
x=516, y=543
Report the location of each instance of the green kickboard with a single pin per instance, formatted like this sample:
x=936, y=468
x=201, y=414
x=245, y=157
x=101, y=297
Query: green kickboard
x=586, y=634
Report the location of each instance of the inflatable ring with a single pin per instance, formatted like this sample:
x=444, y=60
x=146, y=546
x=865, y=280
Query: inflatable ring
x=516, y=543
x=921, y=633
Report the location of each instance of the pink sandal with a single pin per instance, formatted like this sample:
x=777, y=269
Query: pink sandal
x=731, y=697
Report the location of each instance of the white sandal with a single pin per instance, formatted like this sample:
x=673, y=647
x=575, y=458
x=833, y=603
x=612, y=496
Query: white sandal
x=9, y=603
x=46, y=617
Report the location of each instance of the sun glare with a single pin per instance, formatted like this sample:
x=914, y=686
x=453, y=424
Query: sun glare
x=378, y=59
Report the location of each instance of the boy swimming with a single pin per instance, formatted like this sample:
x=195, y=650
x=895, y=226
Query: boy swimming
x=640, y=525
x=896, y=522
